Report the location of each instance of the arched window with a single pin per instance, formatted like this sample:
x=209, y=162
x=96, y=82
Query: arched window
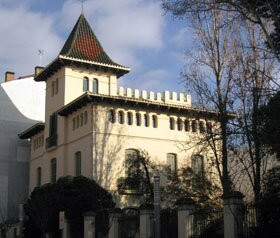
x=85, y=84
x=132, y=163
x=187, y=125
x=85, y=117
x=146, y=120
x=111, y=116
x=77, y=121
x=154, y=121
x=52, y=89
x=39, y=176
x=74, y=123
x=95, y=86
x=172, y=162
x=202, y=127
x=56, y=86
x=53, y=170
x=129, y=118
x=197, y=164
x=78, y=163
x=179, y=124
x=82, y=119
x=121, y=117
x=138, y=119
x=172, y=123
x=209, y=127
x=194, y=126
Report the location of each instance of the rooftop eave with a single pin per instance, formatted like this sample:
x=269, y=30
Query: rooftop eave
x=136, y=102
x=31, y=131
x=61, y=61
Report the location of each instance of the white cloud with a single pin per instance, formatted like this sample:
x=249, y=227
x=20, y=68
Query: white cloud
x=153, y=80
x=22, y=35
x=183, y=38
x=123, y=26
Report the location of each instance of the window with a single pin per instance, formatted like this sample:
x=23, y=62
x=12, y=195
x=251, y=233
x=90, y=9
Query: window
x=187, y=125
x=39, y=176
x=74, y=123
x=129, y=118
x=85, y=84
x=111, y=116
x=172, y=123
x=53, y=124
x=77, y=121
x=132, y=164
x=154, y=121
x=56, y=86
x=85, y=117
x=53, y=170
x=138, y=119
x=197, y=165
x=78, y=163
x=95, y=86
x=194, y=126
x=202, y=128
x=209, y=127
x=179, y=124
x=172, y=162
x=82, y=119
x=42, y=140
x=121, y=117
x=52, y=92
x=146, y=120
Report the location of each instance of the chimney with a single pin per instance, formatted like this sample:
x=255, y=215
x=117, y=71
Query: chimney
x=38, y=69
x=9, y=76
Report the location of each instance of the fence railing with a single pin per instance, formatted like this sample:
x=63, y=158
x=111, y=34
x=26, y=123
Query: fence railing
x=206, y=224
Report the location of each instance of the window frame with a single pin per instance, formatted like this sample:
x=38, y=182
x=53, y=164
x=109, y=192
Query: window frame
x=85, y=84
x=174, y=157
x=78, y=163
x=95, y=86
x=53, y=174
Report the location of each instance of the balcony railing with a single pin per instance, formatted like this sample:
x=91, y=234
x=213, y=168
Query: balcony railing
x=51, y=141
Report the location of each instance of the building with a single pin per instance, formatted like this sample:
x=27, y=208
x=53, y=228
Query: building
x=92, y=127
x=16, y=114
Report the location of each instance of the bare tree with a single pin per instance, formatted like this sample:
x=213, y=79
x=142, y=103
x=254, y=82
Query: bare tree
x=253, y=82
x=258, y=12
x=209, y=77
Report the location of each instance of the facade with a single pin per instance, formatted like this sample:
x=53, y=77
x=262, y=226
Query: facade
x=92, y=126
x=16, y=96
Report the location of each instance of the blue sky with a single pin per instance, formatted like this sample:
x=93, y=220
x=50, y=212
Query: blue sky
x=134, y=33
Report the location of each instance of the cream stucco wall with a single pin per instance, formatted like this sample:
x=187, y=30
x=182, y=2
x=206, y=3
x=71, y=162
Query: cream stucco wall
x=102, y=143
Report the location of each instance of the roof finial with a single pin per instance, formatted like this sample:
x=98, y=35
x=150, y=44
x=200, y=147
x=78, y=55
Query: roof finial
x=40, y=53
x=82, y=5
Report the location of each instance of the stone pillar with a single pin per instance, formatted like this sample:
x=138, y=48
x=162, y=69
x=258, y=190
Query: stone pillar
x=185, y=221
x=89, y=224
x=114, y=224
x=146, y=221
x=233, y=204
x=66, y=229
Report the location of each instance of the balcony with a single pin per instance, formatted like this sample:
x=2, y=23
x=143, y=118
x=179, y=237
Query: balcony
x=51, y=141
x=132, y=186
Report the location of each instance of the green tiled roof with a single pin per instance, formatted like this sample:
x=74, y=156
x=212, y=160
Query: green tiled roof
x=82, y=44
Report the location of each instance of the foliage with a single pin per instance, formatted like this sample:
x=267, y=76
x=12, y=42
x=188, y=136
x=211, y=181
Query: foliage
x=270, y=116
x=187, y=184
x=74, y=195
x=269, y=206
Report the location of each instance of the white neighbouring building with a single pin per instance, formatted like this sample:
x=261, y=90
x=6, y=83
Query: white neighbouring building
x=92, y=127
x=21, y=105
